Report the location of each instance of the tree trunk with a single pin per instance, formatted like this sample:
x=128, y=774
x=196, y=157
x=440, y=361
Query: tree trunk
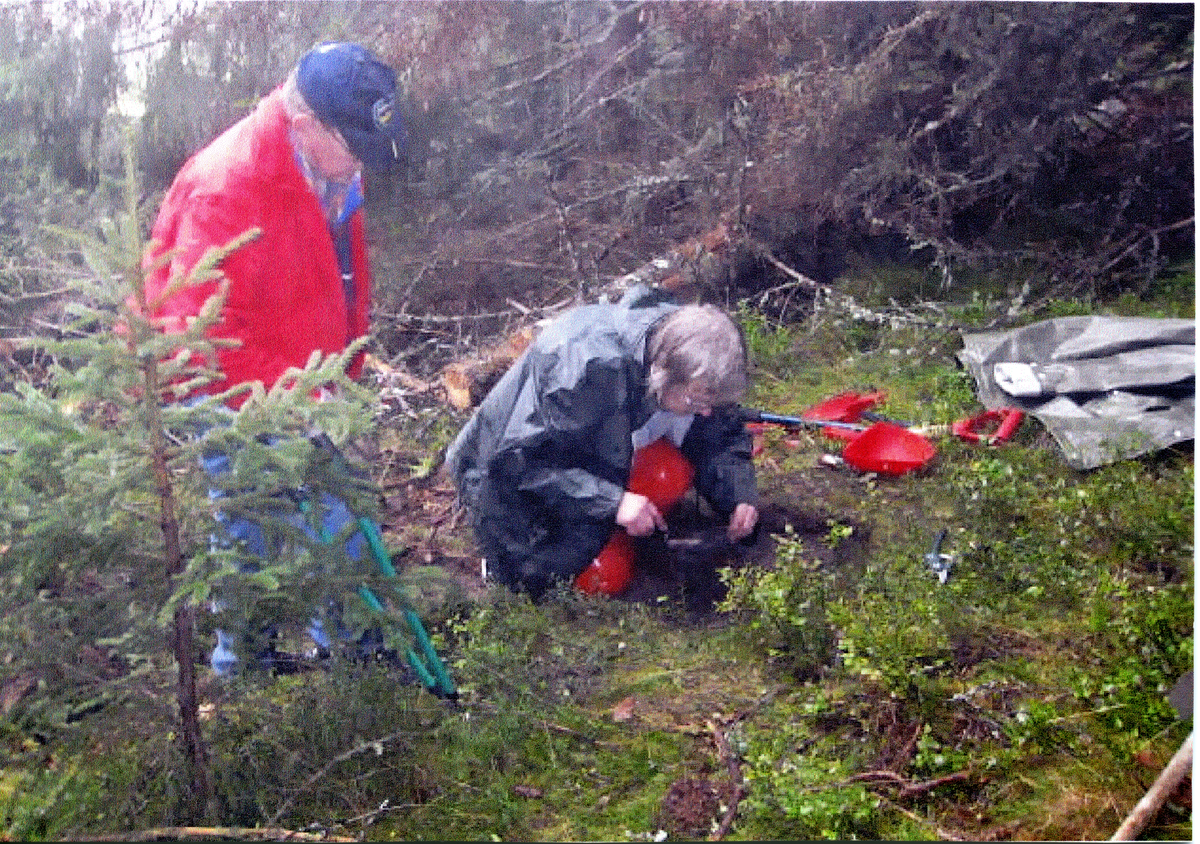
x=183, y=633
x=194, y=751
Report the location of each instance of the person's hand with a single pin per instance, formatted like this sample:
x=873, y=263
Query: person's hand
x=742, y=521
x=638, y=515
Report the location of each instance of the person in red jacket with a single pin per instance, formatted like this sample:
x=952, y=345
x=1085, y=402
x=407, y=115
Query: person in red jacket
x=292, y=169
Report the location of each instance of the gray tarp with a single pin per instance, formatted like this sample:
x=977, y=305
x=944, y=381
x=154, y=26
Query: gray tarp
x=1107, y=388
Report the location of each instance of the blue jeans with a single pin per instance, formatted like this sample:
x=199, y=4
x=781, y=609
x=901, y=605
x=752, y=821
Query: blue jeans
x=335, y=516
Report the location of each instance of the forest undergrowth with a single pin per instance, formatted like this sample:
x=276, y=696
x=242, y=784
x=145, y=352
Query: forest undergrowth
x=838, y=690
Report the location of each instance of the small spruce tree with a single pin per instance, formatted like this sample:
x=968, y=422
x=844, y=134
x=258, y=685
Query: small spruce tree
x=106, y=517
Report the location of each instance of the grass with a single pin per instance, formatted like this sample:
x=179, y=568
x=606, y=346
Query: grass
x=1033, y=681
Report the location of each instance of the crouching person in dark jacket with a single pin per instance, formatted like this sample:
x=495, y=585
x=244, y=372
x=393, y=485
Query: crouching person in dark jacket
x=544, y=463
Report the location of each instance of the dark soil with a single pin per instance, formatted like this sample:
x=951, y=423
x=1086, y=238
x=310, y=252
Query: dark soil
x=681, y=565
x=692, y=806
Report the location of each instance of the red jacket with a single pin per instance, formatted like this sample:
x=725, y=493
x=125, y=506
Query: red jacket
x=286, y=296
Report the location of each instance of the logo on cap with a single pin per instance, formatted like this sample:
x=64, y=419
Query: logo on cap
x=382, y=112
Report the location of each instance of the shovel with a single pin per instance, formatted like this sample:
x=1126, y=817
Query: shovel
x=846, y=407
x=427, y=664
x=883, y=447
x=888, y=449
x=990, y=427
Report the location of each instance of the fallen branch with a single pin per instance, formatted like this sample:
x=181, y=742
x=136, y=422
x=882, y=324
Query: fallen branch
x=1138, y=238
x=698, y=262
x=1146, y=808
x=907, y=787
x=550, y=726
x=219, y=833
x=825, y=293
x=878, y=776
x=913, y=789
x=467, y=381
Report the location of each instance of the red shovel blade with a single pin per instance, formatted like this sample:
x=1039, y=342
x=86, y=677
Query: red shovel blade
x=847, y=407
x=844, y=434
x=888, y=449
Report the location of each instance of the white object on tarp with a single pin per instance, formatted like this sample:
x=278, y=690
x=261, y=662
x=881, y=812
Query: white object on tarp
x=1017, y=379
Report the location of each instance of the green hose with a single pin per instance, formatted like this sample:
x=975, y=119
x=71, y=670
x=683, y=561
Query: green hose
x=431, y=669
x=438, y=681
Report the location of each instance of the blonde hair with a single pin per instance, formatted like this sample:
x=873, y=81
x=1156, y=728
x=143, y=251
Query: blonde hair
x=698, y=343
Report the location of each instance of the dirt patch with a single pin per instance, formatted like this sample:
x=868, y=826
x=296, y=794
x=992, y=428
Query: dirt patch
x=807, y=503
x=683, y=565
x=692, y=806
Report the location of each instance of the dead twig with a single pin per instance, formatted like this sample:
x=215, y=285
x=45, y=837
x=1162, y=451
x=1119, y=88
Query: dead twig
x=905, y=753
x=369, y=818
x=552, y=727
x=373, y=746
x=913, y=789
x=735, y=776
x=877, y=776
x=820, y=291
x=908, y=788
x=1138, y=238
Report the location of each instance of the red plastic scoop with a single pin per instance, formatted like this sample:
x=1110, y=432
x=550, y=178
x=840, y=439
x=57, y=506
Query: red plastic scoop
x=661, y=473
x=888, y=449
x=612, y=569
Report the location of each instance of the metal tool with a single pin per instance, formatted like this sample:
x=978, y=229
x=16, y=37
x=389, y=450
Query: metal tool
x=989, y=427
x=938, y=562
x=762, y=417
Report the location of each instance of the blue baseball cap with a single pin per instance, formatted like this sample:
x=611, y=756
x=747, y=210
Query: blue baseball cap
x=350, y=89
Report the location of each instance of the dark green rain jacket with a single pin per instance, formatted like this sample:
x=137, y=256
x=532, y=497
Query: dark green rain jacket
x=545, y=459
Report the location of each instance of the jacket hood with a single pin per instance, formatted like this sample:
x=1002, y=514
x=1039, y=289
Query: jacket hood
x=544, y=395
